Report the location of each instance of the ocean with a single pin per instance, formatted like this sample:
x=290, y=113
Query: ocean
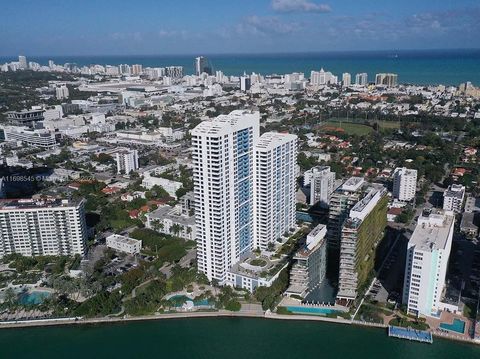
x=212, y=338
x=425, y=67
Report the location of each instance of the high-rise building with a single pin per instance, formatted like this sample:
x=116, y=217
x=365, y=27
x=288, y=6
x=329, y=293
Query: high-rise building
x=341, y=201
x=388, y=80
x=61, y=92
x=310, y=263
x=137, y=69
x=223, y=161
x=453, y=198
x=346, y=79
x=127, y=160
x=42, y=227
x=322, y=77
x=202, y=66
x=362, y=231
x=275, y=187
x=361, y=79
x=245, y=83
x=22, y=62
x=175, y=72
x=124, y=69
x=322, y=182
x=25, y=117
x=404, y=184
x=426, y=263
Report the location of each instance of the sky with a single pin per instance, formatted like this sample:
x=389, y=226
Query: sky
x=157, y=27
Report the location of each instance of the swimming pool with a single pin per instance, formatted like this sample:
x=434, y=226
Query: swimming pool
x=312, y=310
x=33, y=298
x=457, y=326
x=179, y=300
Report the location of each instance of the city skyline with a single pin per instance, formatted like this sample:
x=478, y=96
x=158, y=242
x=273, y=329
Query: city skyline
x=248, y=27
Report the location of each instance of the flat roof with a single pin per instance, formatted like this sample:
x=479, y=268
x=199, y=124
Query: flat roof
x=124, y=239
x=431, y=233
x=30, y=203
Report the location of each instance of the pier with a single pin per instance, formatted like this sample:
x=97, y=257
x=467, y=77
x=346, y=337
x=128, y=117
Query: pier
x=410, y=334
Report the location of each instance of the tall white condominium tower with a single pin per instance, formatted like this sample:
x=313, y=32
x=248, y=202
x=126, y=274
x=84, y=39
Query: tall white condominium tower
x=127, y=160
x=428, y=251
x=346, y=79
x=453, y=198
x=404, y=184
x=202, y=66
x=42, y=227
x=223, y=160
x=22, y=62
x=275, y=187
x=361, y=79
x=322, y=182
x=389, y=80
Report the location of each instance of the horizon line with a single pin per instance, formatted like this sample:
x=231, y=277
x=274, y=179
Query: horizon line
x=250, y=53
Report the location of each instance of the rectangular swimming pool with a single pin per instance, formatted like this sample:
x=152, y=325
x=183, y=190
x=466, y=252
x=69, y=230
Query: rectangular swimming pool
x=312, y=310
x=457, y=326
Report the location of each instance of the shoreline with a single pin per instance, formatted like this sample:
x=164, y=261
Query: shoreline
x=219, y=314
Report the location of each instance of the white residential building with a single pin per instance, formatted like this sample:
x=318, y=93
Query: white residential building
x=42, y=227
x=61, y=92
x=346, y=79
x=361, y=79
x=322, y=77
x=124, y=244
x=404, y=184
x=322, y=184
x=275, y=187
x=427, y=257
x=168, y=185
x=172, y=221
x=223, y=161
x=127, y=160
x=453, y=198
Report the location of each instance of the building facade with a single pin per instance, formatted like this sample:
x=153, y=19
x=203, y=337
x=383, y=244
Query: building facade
x=404, y=184
x=124, y=244
x=322, y=182
x=127, y=160
x=310, y=266
x=274, y=187
x=223, y=161
x=42, y=227
x=453, y=198
x=361, y=233
x=426, y=263
x=341, y=201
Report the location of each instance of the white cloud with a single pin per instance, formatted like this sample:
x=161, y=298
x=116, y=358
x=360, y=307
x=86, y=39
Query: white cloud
x=299, y=6
x=266, y=25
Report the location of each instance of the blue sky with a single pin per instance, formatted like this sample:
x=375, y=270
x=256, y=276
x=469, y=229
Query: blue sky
x=103, y=27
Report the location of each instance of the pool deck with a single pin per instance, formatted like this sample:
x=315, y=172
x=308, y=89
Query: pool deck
x=447, y=317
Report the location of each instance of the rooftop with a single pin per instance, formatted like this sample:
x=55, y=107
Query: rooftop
x=352, y=184
x=29, y=203
x=432, y=232
x=223, y=124
x=270, y=140
x=123, y=239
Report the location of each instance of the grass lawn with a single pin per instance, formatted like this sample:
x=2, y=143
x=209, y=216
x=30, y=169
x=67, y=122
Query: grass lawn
x=382, y=123
x=347, y=127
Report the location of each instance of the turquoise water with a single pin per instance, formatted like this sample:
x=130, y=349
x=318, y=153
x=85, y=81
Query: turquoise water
x=181, y=299
x=33, y=298
x=457, y=326
x=221, y=338
x=312, y=310
x=449, y=67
